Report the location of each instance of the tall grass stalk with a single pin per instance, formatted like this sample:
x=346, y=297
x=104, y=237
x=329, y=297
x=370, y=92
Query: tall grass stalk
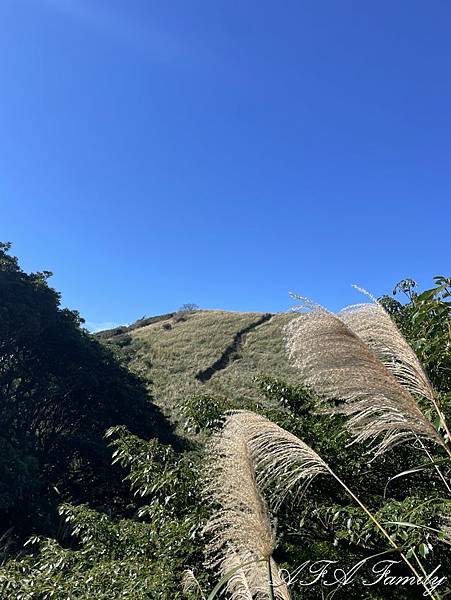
x=371, y=323
x=283, y=461
x=339, y=365
x=240, y=529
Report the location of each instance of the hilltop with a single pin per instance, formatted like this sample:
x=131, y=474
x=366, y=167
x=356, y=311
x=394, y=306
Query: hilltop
x=210, y=352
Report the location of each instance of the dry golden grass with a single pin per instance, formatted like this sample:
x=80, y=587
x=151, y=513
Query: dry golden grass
x=263, y=353
x=170, y=358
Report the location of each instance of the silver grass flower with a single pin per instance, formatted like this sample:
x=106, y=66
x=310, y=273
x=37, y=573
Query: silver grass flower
x=250, y=580
x=238, y=585
x=283, y=461
x=278, y=454
x=240, y=529
x=377, y=329
x=372, y=324
x=339, y=365
x=190, y=583
x=275, y=453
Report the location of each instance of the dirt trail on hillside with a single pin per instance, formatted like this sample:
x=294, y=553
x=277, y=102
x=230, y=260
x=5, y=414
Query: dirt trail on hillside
x=231, y=352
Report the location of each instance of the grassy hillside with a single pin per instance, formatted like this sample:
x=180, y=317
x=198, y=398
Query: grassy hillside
x=204, y=352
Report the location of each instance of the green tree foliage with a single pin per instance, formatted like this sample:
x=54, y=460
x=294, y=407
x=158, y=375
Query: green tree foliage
x=426, y=322
x=141, y=558
x=60, y=390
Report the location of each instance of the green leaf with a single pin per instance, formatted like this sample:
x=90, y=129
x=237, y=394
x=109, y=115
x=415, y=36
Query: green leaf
x=423, y=550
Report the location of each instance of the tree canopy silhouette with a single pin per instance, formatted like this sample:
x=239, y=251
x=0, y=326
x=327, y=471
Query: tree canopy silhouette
x=60, y=390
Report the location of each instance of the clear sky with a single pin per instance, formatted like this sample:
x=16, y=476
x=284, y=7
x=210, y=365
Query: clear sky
x=154, y=153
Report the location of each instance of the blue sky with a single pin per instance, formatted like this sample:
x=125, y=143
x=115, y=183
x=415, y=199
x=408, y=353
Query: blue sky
x=225, y=153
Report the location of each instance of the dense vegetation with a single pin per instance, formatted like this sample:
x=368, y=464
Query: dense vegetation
x=70, y=408
x=60, y=390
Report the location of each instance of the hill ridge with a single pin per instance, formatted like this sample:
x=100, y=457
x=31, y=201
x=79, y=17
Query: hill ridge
x=180, y=355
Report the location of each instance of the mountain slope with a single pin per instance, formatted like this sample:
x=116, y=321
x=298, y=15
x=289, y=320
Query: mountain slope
x=204, y=352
